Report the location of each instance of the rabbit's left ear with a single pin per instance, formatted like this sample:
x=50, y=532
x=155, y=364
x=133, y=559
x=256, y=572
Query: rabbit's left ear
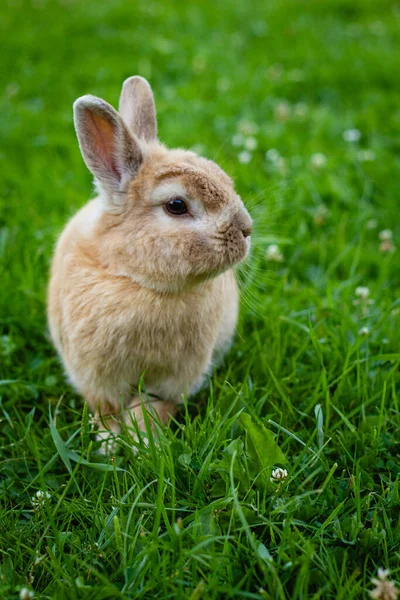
x=137, y=108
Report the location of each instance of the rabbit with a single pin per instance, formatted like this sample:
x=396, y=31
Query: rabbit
x=142, y=282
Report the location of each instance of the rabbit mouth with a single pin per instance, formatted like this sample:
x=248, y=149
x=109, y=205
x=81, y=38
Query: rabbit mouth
x=222, y=257
x=234, y=248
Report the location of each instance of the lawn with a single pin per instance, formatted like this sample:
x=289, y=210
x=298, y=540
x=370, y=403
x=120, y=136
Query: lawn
x=299, y=102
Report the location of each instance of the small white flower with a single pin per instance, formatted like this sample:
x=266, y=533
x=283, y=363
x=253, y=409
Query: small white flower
x=12, y=89
x=318, y=160
x=237, y=140
x=362, y=292
x=385, y=235
x=248, y=127
x=39, y=498
x=42, y=495
x=272, y=155
x=352, y=135
x=250, y=143
x=384, y=589
x=366, y=155
x=244, y=157
x=278, y=475
x=274, y=254
x=387, y=245
x=300, y=109
x=363, y=331
x=25, y=594
x=281, y=165
x=363, y=300
x=371, y=224
x=282, y=110
x=383, y=573
x=320, y=215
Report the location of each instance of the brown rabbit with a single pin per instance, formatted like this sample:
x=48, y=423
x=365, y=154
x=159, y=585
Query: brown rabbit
x=142, y=279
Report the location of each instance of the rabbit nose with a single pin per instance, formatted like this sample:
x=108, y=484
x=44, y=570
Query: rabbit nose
x=247, y=230
x=245, y=224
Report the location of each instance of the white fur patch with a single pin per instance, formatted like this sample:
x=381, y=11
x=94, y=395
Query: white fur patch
x=90, y=215
x=168, y=190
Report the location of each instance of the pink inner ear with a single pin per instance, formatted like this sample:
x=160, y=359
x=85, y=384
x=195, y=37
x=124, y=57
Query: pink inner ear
x=103, y=136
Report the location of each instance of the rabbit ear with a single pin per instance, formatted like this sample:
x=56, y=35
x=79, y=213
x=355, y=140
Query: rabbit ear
x=137, y=108
x=109, y=150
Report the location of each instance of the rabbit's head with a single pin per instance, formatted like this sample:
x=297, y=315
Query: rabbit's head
x=169, y=218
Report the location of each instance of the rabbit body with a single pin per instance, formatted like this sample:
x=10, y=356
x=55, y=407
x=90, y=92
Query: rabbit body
x=141, y=280
x=109, y=330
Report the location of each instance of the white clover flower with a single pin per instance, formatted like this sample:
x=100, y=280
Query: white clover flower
x=25, y=594
x=278, y=475
x=352, y=135
x=321, y=215
x=248, y=127
x=178, y=526
x=366, y=155
x=274, y=254
x=281, y=165
x=250, y=143
x=363, y=331
x=318, y=160
x=300, y=109
x=237, y=140
x=362, y=292
x=387, y=245
x=386, y=235
x=384, y=589
x=272, y=155
x=371, y=224
x=282, y=110
x=244, y=157
x=363, y=300
x=38, y=500
x=12, y=89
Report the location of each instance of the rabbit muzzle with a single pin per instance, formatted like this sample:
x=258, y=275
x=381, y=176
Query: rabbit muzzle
x=235, y=231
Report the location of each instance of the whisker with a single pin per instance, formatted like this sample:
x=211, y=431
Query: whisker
x=250, y=301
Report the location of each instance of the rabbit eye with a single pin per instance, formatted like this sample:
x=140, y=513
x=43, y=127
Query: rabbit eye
x=176, y=207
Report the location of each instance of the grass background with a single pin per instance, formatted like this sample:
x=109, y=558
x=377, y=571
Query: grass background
x=196, y=516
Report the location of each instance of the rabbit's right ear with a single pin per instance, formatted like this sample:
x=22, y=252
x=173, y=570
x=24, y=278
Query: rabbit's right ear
x=137, y=108
x=108, y=148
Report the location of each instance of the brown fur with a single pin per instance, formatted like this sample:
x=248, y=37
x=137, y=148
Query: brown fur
x=134, y=290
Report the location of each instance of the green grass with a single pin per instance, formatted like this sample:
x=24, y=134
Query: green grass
x=195, y=515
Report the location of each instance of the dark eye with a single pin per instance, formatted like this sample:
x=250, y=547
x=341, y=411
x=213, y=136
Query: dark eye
x=176, y=207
